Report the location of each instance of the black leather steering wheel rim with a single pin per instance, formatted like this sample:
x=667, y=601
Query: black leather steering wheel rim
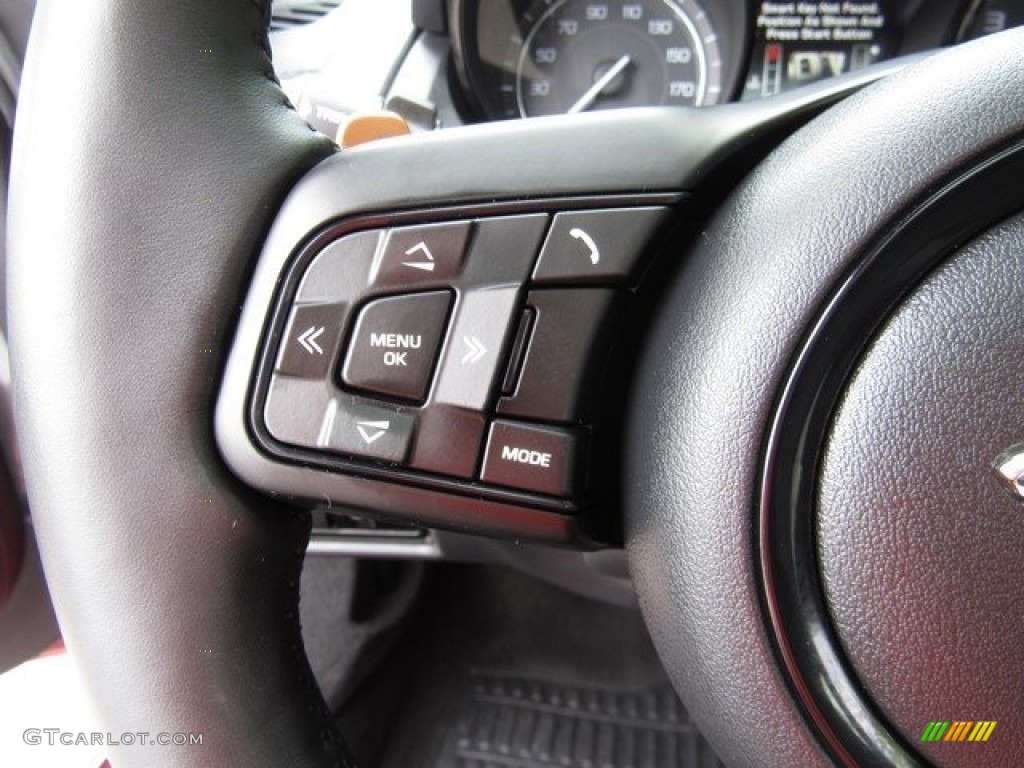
x=142, y=190
x=152, y=143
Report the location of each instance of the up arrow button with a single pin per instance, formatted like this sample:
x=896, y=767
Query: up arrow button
x=423, y=256
x=427, y=264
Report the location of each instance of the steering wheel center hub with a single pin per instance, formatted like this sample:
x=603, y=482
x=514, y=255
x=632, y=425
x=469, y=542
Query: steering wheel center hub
x=785, y=299
x=919, y=547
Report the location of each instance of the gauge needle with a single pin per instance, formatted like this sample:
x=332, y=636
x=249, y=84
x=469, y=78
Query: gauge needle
x=594, y=91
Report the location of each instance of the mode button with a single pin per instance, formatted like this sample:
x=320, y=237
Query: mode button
x=532, y=458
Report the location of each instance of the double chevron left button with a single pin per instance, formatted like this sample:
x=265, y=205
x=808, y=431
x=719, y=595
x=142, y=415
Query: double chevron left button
x=311, y=340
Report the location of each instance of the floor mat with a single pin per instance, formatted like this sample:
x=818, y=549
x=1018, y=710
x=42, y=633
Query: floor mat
x=512, y=722
x=499, y=670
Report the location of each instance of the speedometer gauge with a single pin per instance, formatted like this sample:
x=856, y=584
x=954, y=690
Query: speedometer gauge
x=578, y=55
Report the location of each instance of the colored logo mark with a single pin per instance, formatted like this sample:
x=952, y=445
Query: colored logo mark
x=958, y=730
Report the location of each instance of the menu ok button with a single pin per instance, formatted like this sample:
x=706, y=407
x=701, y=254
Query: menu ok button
x=395, y=345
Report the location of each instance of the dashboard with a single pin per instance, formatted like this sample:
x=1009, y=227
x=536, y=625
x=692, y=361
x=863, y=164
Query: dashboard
x=442, y=63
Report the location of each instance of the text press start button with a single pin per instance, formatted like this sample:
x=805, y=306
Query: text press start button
x=395, y=345
x=532, y=458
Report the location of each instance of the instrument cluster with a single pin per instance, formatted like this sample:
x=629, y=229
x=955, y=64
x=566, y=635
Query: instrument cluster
x=528, y=58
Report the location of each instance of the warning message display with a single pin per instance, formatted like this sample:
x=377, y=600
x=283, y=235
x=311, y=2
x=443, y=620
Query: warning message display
x=821, y=22
x=800, y=42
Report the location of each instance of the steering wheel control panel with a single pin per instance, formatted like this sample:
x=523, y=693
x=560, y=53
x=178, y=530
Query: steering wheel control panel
x=464, y=354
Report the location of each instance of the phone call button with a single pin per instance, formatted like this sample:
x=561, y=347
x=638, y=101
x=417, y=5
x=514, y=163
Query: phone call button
x=597, y=247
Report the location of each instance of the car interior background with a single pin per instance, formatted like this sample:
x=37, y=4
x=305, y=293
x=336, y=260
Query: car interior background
x=517, y=640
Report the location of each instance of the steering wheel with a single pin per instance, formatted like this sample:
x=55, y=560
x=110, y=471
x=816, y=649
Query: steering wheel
x=828, y=568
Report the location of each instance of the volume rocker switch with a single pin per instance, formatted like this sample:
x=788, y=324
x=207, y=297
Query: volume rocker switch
x=563, y=365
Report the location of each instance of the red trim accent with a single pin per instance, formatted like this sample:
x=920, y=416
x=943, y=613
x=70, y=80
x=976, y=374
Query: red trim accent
x=12, y=538
x=56, y=649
